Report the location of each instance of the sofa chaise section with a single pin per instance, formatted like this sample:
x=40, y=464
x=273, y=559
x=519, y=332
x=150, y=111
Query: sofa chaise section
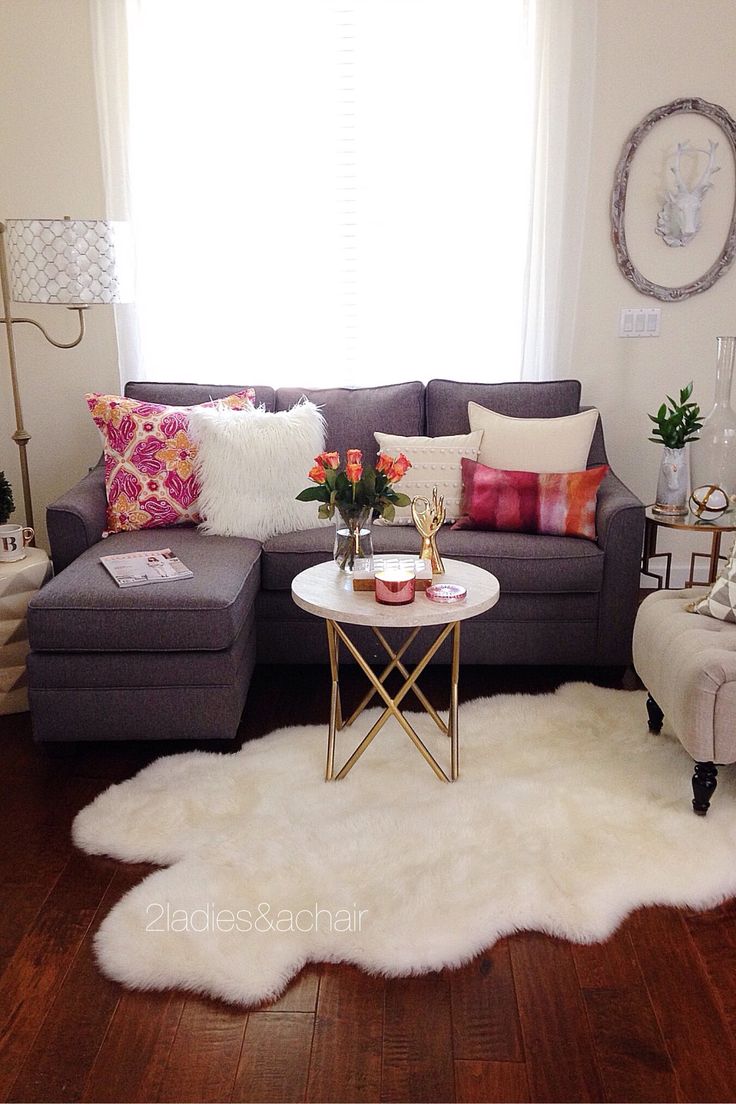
x=168, y=661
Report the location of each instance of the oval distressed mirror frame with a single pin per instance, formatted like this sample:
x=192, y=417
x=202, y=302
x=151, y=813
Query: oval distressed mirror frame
x=723, y=262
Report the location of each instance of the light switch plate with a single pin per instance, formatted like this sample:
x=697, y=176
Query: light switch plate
x=639, y=322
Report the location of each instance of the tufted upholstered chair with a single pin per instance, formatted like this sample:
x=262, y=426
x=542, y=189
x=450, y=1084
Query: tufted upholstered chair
x=688, y=664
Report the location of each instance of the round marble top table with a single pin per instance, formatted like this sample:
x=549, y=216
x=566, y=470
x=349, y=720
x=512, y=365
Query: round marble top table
x=327, y=592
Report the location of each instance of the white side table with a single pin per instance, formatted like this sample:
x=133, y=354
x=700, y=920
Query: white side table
x=19, y=581
x=327, y=592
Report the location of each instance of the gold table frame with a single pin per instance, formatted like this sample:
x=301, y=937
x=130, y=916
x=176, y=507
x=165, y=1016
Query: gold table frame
x=726, y=523
x=335, y=634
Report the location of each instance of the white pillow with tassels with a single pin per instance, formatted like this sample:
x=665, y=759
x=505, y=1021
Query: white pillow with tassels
x=252, y=466
x=435, y=462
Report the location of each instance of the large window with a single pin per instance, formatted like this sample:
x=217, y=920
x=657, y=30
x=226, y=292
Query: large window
x=329, y=191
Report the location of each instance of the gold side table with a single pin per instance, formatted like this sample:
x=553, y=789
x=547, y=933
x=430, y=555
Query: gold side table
x=327, y=592
x=19, y=581
x=716, y=527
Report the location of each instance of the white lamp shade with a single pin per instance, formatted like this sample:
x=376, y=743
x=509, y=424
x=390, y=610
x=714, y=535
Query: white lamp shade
x=73, y=262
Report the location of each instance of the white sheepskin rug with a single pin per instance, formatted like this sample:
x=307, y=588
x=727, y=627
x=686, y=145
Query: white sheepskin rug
x=567, y=815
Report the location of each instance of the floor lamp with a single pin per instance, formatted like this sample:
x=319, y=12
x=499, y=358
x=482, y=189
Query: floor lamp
x=68, y=262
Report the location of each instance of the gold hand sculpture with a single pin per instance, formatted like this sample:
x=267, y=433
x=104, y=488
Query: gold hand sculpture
x=429, y=518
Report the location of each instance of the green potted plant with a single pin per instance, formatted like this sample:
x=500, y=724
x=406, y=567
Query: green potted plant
x=6, y=499
x=677, y=424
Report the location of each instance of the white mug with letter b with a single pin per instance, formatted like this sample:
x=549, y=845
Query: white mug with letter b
x=13, y=541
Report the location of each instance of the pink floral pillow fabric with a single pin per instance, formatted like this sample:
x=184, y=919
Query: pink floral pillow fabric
x=149, y=460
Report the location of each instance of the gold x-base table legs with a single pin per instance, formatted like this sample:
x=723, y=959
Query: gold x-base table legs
x=335, y=634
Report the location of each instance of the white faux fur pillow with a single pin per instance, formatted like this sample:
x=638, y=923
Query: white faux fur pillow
x=252, y=465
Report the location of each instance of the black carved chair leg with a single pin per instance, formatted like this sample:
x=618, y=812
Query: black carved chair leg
x=705, y=780
x=656, y=716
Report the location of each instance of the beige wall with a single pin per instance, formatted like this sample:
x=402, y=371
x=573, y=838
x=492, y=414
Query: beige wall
x=649, y=53
x=50, y=167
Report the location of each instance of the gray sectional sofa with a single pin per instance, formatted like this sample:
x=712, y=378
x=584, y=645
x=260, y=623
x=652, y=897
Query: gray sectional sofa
x=176, y=661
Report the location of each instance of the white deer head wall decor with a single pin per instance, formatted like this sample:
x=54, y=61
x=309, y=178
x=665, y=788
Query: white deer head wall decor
x=680, y=218
x=724, y=256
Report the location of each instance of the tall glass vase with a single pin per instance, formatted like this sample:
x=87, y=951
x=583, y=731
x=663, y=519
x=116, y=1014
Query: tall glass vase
x=713, y=455
x=353, y=537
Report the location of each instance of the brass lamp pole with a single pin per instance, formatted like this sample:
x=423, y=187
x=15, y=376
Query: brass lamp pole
x=68, y=262
x=21, y=435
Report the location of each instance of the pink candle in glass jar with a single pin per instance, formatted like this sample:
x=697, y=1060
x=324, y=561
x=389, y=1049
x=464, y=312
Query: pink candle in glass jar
x=395, y=584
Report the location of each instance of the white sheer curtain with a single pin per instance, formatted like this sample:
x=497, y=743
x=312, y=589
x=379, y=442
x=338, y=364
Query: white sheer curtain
x=343, y=191
x=563, y=34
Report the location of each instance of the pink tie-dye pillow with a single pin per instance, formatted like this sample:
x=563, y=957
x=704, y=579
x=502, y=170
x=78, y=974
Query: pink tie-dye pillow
x=149, y=460
x=557, y=503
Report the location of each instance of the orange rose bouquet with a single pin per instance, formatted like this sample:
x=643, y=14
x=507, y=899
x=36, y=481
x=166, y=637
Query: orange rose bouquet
x=358, y=487
x=359, y=494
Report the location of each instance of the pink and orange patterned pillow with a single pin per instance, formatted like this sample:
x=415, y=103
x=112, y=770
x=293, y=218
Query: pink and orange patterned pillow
x=149, y=460
x=557, y=503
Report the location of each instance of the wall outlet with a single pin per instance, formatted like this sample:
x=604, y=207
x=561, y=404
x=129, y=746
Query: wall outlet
x=639, y=322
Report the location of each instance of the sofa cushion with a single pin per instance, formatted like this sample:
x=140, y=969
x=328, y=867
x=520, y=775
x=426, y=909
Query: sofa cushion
x=115, y=670
x=435, y=463
x=533, y=444
x=277, y=607
x=84, y=610
x=522, y=563
x=447, y=402
x=253, y=467
x=150, y=459
x=556, y=503
x=353, y=414
x=192, y=394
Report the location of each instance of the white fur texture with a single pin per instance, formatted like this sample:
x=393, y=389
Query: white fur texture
x=252, y=464
x=567, y=816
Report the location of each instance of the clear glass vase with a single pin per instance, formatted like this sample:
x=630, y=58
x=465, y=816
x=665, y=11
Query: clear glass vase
x=713, y=455
x=353, y=536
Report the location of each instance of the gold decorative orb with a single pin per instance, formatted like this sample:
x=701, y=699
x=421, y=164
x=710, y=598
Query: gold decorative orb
x=709, y=502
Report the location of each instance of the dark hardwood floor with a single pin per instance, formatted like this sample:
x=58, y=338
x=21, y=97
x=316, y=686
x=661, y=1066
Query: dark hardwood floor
x=650, y=1015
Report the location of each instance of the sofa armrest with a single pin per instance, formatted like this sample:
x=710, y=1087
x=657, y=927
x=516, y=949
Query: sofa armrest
x=614, y=498
x=78, y=519
x=620, y=527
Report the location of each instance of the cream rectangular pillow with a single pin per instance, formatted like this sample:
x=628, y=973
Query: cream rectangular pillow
x=251, y=470
x=435, y=462
x=533, y=444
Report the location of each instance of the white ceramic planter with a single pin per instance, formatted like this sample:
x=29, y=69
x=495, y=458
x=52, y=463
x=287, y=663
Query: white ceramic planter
x=673, y=485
